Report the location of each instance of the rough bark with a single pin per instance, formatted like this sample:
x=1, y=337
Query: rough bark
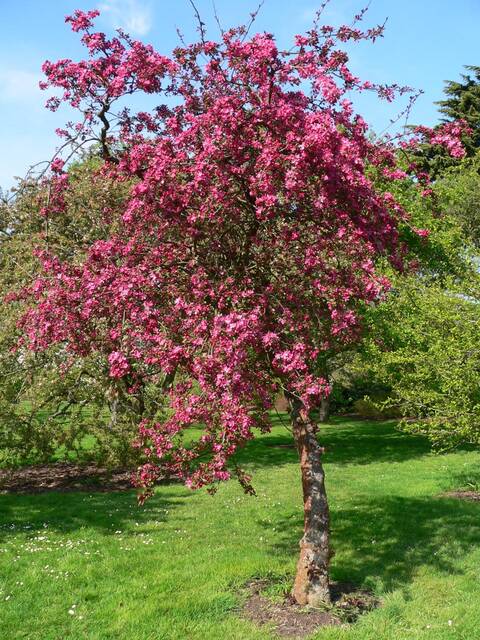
x=311, y=584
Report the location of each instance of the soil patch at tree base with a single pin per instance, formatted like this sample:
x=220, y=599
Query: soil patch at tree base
x=290, y=620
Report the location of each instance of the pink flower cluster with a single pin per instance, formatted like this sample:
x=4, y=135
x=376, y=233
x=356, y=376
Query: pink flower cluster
x=119, y=365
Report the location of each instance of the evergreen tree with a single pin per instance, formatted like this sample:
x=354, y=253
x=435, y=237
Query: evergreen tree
x=462, y=102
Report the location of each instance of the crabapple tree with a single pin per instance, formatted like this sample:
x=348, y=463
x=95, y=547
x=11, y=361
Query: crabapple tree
x=247, y=248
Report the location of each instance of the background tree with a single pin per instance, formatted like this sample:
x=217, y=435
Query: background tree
x=462, y=102
x=426, y=350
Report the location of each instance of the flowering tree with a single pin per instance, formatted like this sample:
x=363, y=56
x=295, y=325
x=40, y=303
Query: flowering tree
x=247, y=246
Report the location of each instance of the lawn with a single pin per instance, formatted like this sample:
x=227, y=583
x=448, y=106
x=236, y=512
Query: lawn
x=96, y=566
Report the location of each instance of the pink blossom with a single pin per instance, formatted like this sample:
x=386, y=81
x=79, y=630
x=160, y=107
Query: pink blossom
x=119, y=365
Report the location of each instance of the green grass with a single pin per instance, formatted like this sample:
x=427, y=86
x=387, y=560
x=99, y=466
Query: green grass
x=174, y=569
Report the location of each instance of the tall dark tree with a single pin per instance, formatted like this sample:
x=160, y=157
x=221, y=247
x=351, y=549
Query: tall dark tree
x=462, y=102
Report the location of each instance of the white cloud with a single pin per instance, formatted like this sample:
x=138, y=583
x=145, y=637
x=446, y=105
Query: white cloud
x=17, y=85
x=132, y=15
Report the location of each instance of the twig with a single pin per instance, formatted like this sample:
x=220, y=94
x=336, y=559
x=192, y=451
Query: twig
x=253, y=17
x=217, y=19
x=201, y=24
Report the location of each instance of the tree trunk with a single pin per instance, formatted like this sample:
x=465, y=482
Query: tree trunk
x=324, y=412
x=311, y=581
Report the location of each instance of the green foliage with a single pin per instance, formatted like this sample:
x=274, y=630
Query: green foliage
x=423, y=343
x=458, y=192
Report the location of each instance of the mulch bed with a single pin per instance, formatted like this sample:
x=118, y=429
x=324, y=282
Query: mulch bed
x=472, y=496
x=290, y=620
x=64, y=477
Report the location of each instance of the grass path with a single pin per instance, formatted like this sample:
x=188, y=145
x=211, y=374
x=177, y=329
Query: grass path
x=97, y=567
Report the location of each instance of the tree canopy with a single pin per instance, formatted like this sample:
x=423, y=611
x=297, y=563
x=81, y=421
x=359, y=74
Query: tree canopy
x=258, y=219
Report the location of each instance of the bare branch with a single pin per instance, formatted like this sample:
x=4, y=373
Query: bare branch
x=201, y=25
x=253, y=17
x=217, y=19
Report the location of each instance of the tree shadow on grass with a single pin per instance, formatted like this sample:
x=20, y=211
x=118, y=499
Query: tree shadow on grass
x=382, y=542
x=356, y=442
x=68, y=512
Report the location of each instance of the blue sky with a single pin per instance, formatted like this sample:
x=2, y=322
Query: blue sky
x=426, y=42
